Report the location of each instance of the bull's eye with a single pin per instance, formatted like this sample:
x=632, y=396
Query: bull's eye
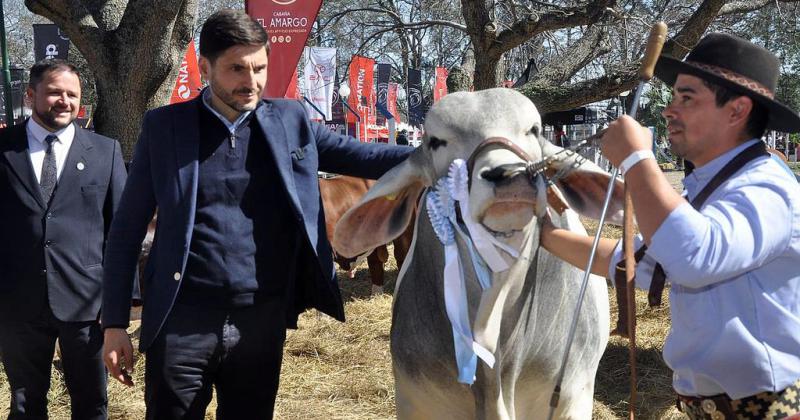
x=534, y=131
x=435, y=142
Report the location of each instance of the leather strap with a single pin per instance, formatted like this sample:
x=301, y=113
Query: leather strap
x=496, y=142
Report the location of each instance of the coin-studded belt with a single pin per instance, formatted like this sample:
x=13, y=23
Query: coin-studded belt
x=784, y=405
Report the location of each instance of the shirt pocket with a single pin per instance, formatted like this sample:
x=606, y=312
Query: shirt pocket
x=304, y=160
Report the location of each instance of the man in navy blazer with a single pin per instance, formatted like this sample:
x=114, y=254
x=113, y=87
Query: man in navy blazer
x=240, y=247
x=59, y=186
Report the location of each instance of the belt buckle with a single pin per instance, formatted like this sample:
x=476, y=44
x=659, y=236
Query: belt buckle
x=710, y=407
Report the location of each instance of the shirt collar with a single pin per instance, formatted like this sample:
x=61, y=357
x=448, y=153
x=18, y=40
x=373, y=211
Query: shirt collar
x=232, y=126
x=65, y=135
x=703, y=174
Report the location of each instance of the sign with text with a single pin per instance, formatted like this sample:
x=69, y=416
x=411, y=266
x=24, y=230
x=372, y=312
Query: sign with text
x=187, y=87
x=287, y=23
x=361, y=81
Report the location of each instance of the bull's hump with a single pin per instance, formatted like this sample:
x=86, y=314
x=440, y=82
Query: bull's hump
x=492, y=112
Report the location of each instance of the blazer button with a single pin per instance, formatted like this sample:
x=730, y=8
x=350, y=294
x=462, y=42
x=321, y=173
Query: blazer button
x=177, y=276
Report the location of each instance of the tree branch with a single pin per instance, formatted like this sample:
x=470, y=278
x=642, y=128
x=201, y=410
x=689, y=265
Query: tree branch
x=679, y=45
x=399, y=21
x=590, y=46
x=746, y=6
x=549, y=98
x=526, y=29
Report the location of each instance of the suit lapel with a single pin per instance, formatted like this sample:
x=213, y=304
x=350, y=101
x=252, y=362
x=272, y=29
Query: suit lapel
x=19, y=160
x=275, y=133
x=78, y=158
x=186, y=134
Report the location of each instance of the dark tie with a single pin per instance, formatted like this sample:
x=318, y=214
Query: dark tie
x=49, y=173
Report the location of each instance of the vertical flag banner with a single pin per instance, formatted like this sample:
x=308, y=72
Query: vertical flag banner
x=188, y=85
x=319, y=75
x=416, y=111
x=337, y=109
x=49, y=42
x=440, y=86
x=391, y=101
x=384, y=75
x=287, y=23
x=361, y=81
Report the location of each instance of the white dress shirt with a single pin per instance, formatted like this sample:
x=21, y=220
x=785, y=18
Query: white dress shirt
x=734, y=269
x=37, y=146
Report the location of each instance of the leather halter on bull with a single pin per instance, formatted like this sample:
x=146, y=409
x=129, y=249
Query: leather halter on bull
x=531, y=168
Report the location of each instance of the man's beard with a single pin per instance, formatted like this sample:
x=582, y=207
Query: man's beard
x=228, y=99
x=48, y=118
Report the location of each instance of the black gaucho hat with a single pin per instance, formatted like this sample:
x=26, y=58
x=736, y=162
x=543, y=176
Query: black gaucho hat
x=738, y=65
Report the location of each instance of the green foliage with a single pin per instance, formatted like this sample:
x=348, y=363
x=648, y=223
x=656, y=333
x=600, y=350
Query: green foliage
x=788, y=91
x=658, y=97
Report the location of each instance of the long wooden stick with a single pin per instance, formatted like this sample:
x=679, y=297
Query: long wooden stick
x=655, y=42
x=630, y=296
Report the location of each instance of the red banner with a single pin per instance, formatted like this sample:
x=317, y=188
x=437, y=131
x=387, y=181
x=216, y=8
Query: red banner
x=293, y=92
x=391, y=101
x=361, y=81
x=287, y=23
x=440, y=88
x=188, y=85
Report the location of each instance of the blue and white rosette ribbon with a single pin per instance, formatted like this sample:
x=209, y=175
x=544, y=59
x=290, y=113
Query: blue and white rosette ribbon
x=484, y=252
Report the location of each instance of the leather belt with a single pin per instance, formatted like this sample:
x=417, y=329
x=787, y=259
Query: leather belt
x=783, y=405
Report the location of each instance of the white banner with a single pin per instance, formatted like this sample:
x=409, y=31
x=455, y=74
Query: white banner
x=318, y=75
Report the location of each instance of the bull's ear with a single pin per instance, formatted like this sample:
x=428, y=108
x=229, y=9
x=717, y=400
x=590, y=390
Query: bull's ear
x=584, y=186
x=385, y=210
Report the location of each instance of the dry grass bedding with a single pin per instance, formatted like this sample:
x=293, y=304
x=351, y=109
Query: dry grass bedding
x=343, y=371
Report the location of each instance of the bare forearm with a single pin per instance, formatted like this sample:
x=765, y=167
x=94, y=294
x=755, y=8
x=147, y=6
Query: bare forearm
x=576, y=248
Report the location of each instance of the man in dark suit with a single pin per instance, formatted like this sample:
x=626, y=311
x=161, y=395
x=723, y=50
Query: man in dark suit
x=240, y=247
x=59, y=186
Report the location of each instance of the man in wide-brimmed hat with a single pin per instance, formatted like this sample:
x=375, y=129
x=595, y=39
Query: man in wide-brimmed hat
x=730, y=246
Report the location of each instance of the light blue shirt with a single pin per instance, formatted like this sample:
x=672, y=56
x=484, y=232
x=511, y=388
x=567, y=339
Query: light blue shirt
x=232, y=126
x=734, y=269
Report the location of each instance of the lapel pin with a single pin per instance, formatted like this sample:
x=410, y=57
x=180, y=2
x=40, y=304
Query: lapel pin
x=81, y=166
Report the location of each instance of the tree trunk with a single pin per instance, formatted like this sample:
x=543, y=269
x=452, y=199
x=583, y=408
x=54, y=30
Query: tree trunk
x=486, y=69
x=458, y=80
x=134, y=49
x=121, y=105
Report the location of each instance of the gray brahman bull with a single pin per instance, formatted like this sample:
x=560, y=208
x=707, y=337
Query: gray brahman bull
x=524, y=316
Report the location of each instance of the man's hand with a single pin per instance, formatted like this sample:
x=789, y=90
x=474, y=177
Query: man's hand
x=118, y=355
x=623, y=137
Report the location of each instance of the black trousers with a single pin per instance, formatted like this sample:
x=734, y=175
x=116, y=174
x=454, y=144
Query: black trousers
x=238, y=351
x=28, y=355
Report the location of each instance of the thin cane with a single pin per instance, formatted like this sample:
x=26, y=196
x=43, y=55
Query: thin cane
x=654, y=44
